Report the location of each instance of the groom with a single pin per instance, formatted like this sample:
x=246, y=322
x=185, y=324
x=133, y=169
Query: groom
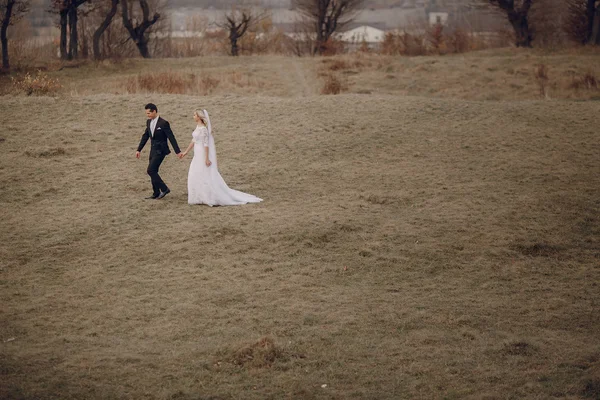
x=157, y=130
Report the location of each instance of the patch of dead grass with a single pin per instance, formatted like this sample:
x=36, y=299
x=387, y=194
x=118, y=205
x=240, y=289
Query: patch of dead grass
x=540, y=250
x=260, y=354
x=519, y=348
x=187, y=83
x=52, y=152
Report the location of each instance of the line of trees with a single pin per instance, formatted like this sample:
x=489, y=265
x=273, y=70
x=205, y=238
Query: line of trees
x=136, y=18
x=320, y=20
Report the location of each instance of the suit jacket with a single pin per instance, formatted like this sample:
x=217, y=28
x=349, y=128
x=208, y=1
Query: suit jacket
x=158, y=141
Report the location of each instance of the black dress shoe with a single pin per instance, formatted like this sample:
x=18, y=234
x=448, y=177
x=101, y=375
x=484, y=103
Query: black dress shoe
x=154, y=196
x=163, y=194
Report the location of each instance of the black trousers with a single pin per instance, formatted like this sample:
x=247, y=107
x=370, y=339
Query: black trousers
x=157, y=183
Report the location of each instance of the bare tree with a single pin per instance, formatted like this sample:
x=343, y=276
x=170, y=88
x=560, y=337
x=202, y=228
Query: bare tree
x=583, y=21
x=86, y=14
x=138, y=33
x=68, y=9
x=237, y=22
x=11, y=11
x=327, y=17
x=74, y=35
x=517, y=12
x=103, y=26
x=60, y=7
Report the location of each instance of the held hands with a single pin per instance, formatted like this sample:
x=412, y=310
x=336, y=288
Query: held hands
x=180, y=155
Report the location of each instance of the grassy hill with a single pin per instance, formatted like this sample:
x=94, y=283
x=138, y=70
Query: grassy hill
x=506, y=74
x=414, y=242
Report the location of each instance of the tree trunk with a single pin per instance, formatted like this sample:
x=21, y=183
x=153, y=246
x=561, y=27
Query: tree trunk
x=73, y=45
x=142, y=45
x=234, y=46
x=63, y=34
x=520, y=24
x=3, y=36
x=4, y=39
x=321, y=47
x=595, y=34
x=590, y=11
x=138, y=33
x=105, y=24
x=106, y=41
x=320, y=41
x=85, y=49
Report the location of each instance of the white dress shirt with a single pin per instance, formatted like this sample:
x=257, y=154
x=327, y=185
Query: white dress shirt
x=153, y=125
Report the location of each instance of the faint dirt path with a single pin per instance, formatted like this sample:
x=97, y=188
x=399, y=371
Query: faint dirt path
x=295, y=77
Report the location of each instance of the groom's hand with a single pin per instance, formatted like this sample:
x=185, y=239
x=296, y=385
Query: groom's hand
x=137, y=154
x=180, y=155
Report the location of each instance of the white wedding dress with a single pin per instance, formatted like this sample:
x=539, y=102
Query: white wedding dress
x=205, y=184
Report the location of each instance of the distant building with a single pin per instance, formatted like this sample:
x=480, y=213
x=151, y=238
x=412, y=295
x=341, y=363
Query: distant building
x=360, y=36
x=364, y=33
x=438, y=17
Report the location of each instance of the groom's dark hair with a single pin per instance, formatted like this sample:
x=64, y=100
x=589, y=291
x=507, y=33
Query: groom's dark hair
x=151, y=107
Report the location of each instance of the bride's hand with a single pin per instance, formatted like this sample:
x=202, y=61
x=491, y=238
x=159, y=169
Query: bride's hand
x=208, y=163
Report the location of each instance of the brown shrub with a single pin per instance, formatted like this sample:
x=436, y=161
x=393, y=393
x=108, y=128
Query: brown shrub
x=332, y=85
x=38, y=84
x=208, y=84
x=438, y=41
x=360, y=64
x=337, y=65
x=163, y=82
x=332, y=47
x=261, y=354
x=459, y=41
x=435, y=37
x=586, y=81
x=278, y=43
x=412, y=45
x=391, y=44
x=364, y=47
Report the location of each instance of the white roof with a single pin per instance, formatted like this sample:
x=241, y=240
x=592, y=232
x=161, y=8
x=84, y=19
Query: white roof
x=363, y=33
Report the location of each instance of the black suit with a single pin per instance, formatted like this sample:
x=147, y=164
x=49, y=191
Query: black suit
x=159, y=149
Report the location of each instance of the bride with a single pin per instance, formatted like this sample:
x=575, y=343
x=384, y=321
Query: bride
x=205, y=184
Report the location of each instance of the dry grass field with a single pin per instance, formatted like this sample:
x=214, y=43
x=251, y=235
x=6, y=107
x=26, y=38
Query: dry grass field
x=429, y=238
x=505, y=74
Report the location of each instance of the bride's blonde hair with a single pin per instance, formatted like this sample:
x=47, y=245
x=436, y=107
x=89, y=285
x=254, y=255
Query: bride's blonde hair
x=201, y=115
